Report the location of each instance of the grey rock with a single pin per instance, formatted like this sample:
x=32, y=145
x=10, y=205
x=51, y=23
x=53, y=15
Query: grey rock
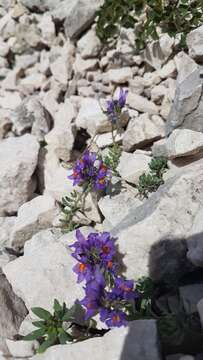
x=195, y=243
x=143, y=130
x=183, y=142
x=6, y=224
x=157, y=52
x=18, y=161
x=200, y=310
x=45, y=271
x=195, y=42
x=78, y=15
x=191, y=295
x=152, y=236
x=33, y=216
x=132, y=166
x=141, y=104
x=115, y=207
x=41, y=5
x=12, y=310
x=30, y=115
x=186, y=111
x=118, y=344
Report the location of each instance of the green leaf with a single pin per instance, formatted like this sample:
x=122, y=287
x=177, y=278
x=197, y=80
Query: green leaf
x=64, y=337
x=39, y=323
x=41, y=313
x=57, y=306
x=52, y=340
x=71, y=313
x=34, y=335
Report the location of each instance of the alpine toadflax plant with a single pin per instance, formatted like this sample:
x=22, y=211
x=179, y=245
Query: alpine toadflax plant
x=90, y=172
x=106, y=293
x=115, y=106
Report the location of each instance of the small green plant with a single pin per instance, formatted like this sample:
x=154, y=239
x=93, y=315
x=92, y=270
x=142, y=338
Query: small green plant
x=69, y=207
x=150, y=182
x=112, y=159
x=51, y=329
x=172, y=16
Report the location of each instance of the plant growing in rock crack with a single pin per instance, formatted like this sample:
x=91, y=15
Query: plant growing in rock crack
x=51, y=329
x=107, y=293
x=111, y=160
x=114, y=111
x=150, y=182
x=171, y=16
x=91, y=173
x=60, y=327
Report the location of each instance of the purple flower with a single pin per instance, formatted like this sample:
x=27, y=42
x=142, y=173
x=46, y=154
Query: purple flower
x=114, y=107
x=124, y=289
x=122, y=97
x=88, y=171
x=84, y=169
x=97, y=251
x=94, y=292
x=102, y=177
x=113, y=318
x=83, y=271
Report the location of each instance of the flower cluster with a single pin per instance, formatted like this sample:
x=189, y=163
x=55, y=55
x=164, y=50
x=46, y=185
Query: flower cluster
x=89, y=171
x=114, y=107
x=106, y=292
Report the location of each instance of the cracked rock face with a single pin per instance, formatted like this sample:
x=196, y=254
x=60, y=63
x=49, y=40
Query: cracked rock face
x=12, y=310
x=186, y=111
x=18, y=160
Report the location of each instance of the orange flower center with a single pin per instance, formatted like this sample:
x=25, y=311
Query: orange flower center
x=125, y=288
x=105, y=249
x=82, y=267
x=116, y=318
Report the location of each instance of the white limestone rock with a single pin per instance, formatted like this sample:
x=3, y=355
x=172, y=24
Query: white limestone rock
x=6, y=225
x=44, y=272
x=30, y=115
x=143, y=130
x=195, y=42
x=141, y=104
x=120, y=76
x=89, y=45
x=184, y=142
x=114, y=208
x=140, y=232
x=61, y=138
x=18, y=161
x=82, y=66
x=92, y=118
x=168, y=70
x=62, y=64
x=33, y=216
x=132, y=166
x=137, y=341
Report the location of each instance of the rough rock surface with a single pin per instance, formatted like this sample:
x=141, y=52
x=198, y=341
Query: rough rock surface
x=131, y=166
x=12, y=310
x=183, y=142
x=186, y=111
x=18, y=160
x=45, y=272
x=119, y=344
x=33, y=216
x=194, y=43
x=142, y=131
x=31, y=116
x=142, y=229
